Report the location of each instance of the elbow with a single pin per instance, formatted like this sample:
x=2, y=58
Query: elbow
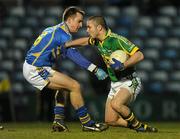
x=141, y=56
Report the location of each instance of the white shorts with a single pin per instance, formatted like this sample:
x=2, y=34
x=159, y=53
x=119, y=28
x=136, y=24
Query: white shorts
x=133, y=86
x=37, y=76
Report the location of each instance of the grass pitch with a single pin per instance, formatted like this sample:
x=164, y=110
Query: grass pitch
x=38, y=130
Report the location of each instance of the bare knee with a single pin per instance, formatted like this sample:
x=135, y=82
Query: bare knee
x=116, y=105
x=121, y=108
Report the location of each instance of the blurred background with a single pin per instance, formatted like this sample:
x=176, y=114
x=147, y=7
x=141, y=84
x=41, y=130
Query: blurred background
x=153, y=25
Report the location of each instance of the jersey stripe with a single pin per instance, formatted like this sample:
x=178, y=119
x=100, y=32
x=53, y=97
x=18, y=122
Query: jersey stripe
x=45, y=46
x=134, y=50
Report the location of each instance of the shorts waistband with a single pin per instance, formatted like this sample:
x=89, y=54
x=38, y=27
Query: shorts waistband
x=129, y=77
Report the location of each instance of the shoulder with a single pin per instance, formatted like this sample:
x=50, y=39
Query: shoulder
x=117, y=36
x=62, y=33
x=121, y=38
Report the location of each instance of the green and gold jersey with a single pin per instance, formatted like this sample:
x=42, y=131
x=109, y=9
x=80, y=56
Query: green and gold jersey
x=111, y=43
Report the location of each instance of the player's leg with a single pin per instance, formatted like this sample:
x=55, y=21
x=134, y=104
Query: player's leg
x=58, y=123
x=120, y=104
x=120, y=101
x=58, y=81
x=41, y=77
x=112, y=117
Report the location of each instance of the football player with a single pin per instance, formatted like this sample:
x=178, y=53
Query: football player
x=37, y=68
x=125, y=83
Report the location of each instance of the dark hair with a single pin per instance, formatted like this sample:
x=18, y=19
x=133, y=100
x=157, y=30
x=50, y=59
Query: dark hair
x=99, y=20
x=71, y=11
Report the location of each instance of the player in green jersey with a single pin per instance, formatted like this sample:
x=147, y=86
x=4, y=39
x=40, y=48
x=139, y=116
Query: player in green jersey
x=125, y=84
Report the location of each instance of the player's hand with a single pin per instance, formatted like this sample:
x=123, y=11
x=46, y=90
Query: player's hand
x=100, y=74
x=117, y=65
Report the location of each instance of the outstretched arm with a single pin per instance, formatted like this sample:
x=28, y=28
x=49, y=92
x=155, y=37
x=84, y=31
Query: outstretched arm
x=76, y=57
x=77, y=42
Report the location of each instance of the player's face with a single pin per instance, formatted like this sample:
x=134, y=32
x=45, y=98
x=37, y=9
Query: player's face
x=75, y=22
x=92, y=29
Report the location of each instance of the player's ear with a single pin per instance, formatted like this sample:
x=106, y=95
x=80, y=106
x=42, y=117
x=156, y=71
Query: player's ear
x=69, y=20
x=99, y=27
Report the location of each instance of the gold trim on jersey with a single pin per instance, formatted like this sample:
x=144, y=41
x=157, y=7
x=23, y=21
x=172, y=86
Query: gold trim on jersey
x=65, y=28
x=108, y=33
x=53, y=53
x=91, y=41
x=36, y=54
x=45, y=46
x=134, y=50
x=58, y=51
x=123, y=47
x=123, y=39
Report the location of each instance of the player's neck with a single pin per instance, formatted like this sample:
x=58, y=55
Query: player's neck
x=67, y=26
x=102, y=35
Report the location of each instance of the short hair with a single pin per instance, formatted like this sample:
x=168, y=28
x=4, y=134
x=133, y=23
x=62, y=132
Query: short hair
x=71, y=11
x=99, y=20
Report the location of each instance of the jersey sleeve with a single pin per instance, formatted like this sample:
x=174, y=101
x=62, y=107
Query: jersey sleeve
x=74, y=55
x=127, y=45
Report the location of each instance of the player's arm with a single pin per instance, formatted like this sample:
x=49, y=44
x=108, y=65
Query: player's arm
x=77, y=42
x=132, y=50
x=134, y=59
x=76, y=57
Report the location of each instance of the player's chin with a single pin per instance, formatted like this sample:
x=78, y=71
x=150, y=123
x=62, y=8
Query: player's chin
x=75, y=31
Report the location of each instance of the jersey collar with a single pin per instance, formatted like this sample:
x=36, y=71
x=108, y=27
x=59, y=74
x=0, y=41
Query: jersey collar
x=64, y=27
x=107, y=35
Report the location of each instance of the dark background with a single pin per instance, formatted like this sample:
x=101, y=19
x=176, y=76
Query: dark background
x=153, y=25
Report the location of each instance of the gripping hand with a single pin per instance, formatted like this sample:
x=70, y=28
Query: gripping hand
x=117, y=65
x=100, y=74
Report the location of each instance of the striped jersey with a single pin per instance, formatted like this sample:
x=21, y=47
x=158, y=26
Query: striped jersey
x=47, y=47
x=111, y=43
